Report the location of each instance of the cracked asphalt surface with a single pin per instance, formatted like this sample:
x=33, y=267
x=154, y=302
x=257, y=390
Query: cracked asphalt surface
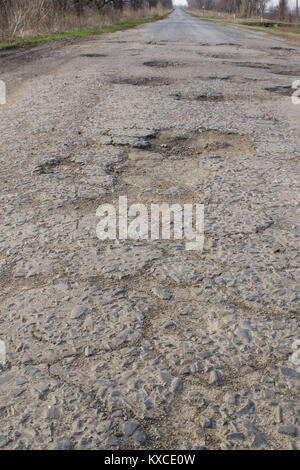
x=139, y=344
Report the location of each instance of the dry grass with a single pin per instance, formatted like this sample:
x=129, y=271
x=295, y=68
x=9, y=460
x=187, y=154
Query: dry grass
x=256, y=20
x=38, y=18
x=287, y=30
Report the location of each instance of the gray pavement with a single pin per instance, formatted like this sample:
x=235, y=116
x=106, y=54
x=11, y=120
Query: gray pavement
x=143, y=344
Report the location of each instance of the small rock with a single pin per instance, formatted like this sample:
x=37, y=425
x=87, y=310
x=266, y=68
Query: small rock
x=161, y=293
x=207, y=423
x=195, y=397
x=78, y=311
x=249, y=409
x=289, y=430
x=104, y=426
x=129, y=428
x=141, y=144
x=52, y=161
x=88, y=351
x=215, y=378
x=258, y=442
x=37, y=170
x=139, y=437
x=113, y=441
x=63, y=443
x=176, y=386
x=290, y=373
x=3, y=441
x=235, y=436
x=53, y=413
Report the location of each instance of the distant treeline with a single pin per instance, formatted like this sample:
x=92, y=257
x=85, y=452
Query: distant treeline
x=244, y=8
x=79, y=6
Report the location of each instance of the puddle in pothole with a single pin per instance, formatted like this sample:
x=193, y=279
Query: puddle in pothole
x=231, y=78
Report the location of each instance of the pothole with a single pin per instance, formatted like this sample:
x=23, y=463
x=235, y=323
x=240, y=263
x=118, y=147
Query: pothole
x=157, y=43
x=284, y=90
x=292, y=73
x=251, y=65
x=93, y=55
x=199, y=96
x=214, y=77
x=46, y=166
x=221, y=56
x=231, y=78
x=161, y=63
x=204, y=142
x=278, y=48
x=146, y=81
x=230, y=44
x=117, y=42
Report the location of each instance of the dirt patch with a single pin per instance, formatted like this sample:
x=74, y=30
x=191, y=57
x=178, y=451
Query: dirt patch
x=227, y=145
x=143, y=81
x=174, y=145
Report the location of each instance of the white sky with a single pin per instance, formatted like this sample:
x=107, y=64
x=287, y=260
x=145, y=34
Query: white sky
x=180, y=3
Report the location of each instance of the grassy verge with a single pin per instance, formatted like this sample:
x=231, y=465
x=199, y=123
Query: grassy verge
x=240, y=24
x=88, y=32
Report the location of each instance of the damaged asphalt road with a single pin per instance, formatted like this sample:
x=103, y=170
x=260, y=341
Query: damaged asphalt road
x=142, y=344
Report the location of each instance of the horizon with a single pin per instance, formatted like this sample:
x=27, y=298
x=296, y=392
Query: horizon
x=183, y=3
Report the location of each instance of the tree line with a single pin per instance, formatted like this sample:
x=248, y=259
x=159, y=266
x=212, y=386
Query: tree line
x=244, y=8
x=79, y=6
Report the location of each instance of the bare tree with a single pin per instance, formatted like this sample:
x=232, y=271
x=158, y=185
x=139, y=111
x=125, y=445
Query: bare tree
x=282, y=9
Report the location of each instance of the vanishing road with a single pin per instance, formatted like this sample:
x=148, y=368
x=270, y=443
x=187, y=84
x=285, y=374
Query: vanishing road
x=137, y=343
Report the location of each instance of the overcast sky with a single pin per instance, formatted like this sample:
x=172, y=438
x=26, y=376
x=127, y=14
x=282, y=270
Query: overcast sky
x=181, y=3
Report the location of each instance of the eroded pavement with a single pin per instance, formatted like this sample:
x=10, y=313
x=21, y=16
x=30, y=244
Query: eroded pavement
x=145, y=344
